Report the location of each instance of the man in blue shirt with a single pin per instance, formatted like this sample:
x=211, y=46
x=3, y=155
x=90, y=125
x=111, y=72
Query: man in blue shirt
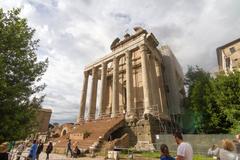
x=33, y=150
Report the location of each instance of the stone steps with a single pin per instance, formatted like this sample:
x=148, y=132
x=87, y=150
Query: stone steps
x=97, y=128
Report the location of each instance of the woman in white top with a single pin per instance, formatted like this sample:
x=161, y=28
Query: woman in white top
x=227, y=152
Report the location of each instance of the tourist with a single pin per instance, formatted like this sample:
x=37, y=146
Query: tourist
x=69, y=147
x=184, y=150
x=33, y=151
x=237, y=143
x=4, y=151
x=165, y=153
x=11, y=146
x=49, y=149
x=20, y=149
x=227, y=152
x=76, y=152
x=39, y=149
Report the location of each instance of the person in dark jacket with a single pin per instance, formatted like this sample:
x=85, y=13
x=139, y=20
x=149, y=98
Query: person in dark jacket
x=165, y=153
x=49, y=149
x=69, y=147
x=76, y=152
x=39, y=149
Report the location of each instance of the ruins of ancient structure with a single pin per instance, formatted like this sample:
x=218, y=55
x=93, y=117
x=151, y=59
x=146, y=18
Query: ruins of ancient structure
x=130, y=77
x=130, y=95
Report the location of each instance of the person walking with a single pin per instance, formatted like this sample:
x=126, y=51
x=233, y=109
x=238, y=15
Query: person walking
x=165, y=153
x=184, y=150
x=49, y=150
x=69, y=147
x=39, y=149
x=33, y=151
x=20, y=149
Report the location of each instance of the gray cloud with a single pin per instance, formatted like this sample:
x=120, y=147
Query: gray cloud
x=76, y=33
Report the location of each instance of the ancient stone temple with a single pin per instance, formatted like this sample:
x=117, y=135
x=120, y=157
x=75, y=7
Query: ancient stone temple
x=130, y=78
x=128, y=95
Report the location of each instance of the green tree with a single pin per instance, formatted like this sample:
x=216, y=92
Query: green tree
x=208, y=116
x=227, y=97
x=20, y=73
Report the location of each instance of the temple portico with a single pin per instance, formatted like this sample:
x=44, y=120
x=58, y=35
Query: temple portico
x=131, y=95
x=130, y=80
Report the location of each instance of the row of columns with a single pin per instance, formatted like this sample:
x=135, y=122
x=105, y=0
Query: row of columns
x=130, y=110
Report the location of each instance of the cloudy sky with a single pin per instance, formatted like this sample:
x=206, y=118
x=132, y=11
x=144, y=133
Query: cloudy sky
x=74, y=33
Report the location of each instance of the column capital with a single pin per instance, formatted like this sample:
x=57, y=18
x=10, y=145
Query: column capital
x=143, y=47
x=128, y=54
x=116, y=59
x=104, y=63
x=86, y=73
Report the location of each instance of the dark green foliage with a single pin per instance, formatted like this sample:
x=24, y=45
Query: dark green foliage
x=20, y=72
x=214, y=102
x=227, y=97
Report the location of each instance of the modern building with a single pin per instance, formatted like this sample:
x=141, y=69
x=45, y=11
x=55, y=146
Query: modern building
x=228, y=56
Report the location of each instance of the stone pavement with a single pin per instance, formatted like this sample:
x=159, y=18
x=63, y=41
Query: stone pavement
x=54, y=156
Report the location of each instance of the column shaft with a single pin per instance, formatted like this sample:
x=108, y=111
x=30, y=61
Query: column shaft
x=162, y=94
x=145, y=79
x=115, y=94
x=129, y=85
x=103, y=88
x=83, y=97
x=93, y=98
x=155, y=85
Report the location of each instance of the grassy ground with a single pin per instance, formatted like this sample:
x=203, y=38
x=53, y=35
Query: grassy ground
x=156, y=155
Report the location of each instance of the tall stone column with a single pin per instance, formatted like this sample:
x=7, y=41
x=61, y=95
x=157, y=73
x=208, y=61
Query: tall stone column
x=83, y=97
x=154, y=84
x=103, y=88
x=115, y=94
x=93, y=98
x=145, y=80
x=162, y=94
x=129, y=85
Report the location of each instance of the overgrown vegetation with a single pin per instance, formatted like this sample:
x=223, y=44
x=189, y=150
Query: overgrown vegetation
x=214, y=102
x=20, y=73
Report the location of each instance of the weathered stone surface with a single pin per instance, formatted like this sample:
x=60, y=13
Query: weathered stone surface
x=133, y=86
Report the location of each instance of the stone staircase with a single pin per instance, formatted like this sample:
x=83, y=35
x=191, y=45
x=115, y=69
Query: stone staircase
x=95, y=128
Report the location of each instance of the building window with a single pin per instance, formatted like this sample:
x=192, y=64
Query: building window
x=232, y=49
x=227, y=62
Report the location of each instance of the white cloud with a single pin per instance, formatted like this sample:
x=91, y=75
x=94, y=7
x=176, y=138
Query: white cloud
x=75, y=33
